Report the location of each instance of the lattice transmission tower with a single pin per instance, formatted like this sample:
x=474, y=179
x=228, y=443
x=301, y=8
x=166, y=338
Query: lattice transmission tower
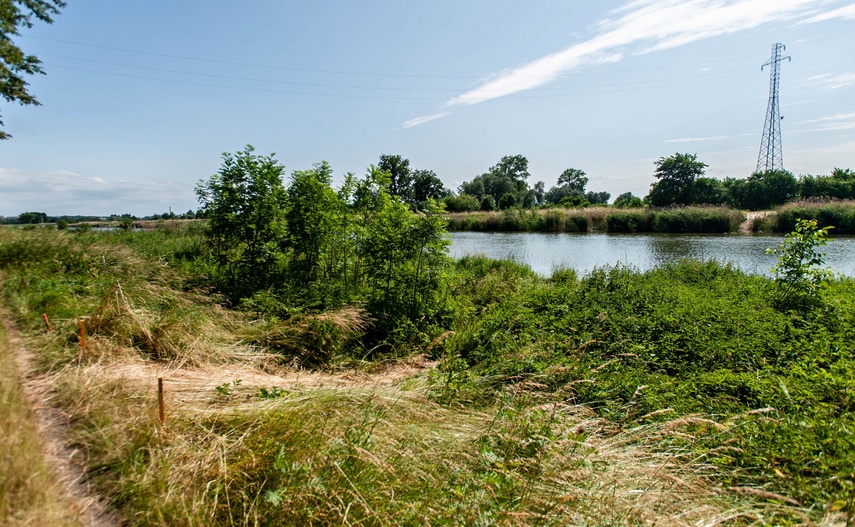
x=770, y=157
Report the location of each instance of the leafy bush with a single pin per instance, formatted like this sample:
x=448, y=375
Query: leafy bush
x=798, y=273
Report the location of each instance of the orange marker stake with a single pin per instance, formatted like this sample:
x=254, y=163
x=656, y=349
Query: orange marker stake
x=161, y=412
x=47, y=323
x=82, y=340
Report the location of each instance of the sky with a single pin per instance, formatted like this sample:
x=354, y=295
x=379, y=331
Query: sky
x=141, y=99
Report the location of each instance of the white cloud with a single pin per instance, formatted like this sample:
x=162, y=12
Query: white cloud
x=845, y=12
x=643, y=26
x=830, y=123
x=834, y=80
x=66, y=192
x=708, y=138
x=422, y=120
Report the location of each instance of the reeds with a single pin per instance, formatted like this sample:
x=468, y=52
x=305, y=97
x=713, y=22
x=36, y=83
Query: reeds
x=695, y=219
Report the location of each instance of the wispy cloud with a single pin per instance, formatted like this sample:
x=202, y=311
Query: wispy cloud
x=422, y=120
x=700, y=139
x=834, y=80
x=845, y=12
x=830, y=123
x=639, y=27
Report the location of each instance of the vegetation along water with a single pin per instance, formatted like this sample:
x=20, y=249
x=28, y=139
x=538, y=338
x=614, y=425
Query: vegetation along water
x=327, y=363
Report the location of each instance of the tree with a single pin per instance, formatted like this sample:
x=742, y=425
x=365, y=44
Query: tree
x=310, y=216
x=245, y=206
x=427, y=185
x=488, y=203
x=400, y=176
x=14, y=64
x=571, y=184
x=507, y=201
x=574, y=179
x=507, y=176
x=628, y=200
x=32, y=217
x=677, y=175
x=762, y=190
x=597, y=198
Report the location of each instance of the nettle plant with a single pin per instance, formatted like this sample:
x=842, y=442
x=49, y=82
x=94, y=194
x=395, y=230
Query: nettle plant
x=799, y=274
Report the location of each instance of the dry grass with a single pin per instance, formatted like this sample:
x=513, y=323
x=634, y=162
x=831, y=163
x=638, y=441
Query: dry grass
x=340, y=451
x=30, y=494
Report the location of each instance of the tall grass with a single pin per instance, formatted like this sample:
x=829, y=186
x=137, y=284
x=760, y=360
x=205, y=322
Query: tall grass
x=837, y=213
x=30, y=494
x=697, y=219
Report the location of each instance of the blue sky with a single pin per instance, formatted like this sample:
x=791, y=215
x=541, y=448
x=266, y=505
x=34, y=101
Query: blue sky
x=141, y=98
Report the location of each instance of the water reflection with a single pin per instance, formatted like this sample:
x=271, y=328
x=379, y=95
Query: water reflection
x=583, y=252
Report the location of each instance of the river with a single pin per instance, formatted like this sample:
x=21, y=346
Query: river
x=583, y=252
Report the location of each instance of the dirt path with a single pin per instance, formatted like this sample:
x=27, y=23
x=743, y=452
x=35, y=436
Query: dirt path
x=747, y=226
x=53, y=427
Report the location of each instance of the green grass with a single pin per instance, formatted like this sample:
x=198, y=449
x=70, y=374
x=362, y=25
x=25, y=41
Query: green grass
x=554, y=400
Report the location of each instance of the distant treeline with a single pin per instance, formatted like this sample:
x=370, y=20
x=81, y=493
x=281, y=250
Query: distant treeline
x=28, y=218
x=680, y=181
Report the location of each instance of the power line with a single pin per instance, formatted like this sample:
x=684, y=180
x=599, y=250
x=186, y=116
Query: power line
x=355, y=96
x=385, y=88
x=356, y=73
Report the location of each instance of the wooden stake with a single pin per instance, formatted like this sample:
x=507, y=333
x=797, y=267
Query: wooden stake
x=160, y=400
x=47, y=323
x=82, y=340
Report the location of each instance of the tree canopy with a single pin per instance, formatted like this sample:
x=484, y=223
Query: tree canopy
x=14, y=63
x=681, y=182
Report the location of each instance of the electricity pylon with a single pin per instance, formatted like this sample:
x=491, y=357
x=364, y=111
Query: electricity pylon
x=771, y=157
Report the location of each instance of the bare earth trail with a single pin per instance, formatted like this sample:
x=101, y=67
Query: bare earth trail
x=53, y=427
x=747, y=226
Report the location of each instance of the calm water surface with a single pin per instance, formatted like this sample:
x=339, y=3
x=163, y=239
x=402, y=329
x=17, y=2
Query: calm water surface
x=583, y=252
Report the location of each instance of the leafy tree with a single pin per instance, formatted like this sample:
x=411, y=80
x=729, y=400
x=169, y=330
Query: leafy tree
x=677, y=175
x=427, y=185
x=312, y=204
x=400, y=176
x=628, y=200
x=762, y=190
x=597, y=198
x=507, y=176
x=14, y=63
x=507, y=201
x=462, y=203
x=840, y=184
x=32, y=217
x=245, y=206
x=488, y=203
x=571, y=182
x=574, y=179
